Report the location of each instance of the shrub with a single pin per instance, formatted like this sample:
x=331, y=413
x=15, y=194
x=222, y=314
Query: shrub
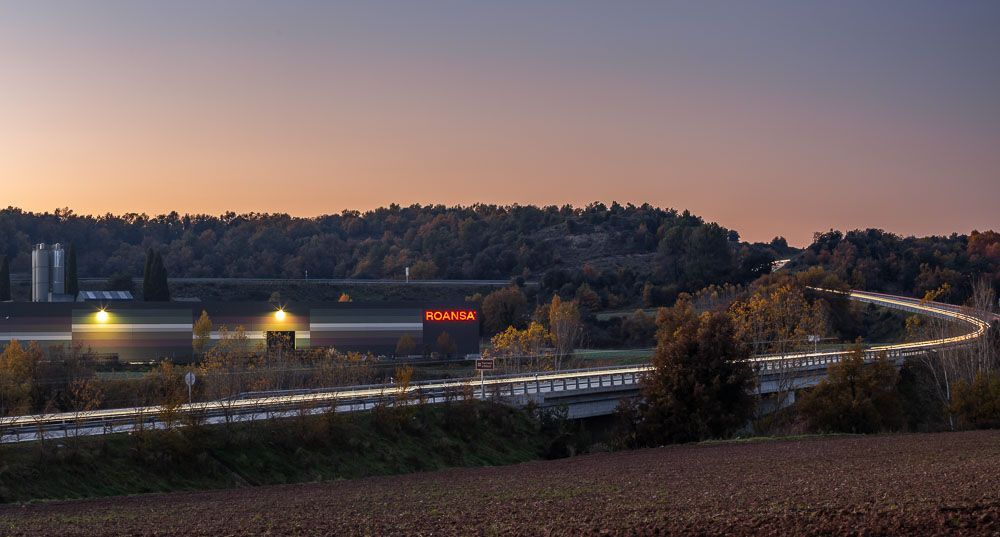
x=977, y=405
x=855, y=397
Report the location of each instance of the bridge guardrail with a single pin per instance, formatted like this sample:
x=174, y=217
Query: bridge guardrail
x=501, y=385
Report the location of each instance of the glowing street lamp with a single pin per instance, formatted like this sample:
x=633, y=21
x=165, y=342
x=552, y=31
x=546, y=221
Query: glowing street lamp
x=102, y=316
x=279, y=315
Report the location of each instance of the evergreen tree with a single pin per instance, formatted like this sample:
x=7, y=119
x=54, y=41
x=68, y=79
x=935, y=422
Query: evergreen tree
x=4, y=278
x=162, y=287
x=154, y=279
x=147, y=280
x=72, y=282
x=701, y=385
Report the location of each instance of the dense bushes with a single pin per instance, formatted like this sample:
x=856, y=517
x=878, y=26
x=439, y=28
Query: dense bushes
x=308, y=447
x=977, y=404
x=855, y=397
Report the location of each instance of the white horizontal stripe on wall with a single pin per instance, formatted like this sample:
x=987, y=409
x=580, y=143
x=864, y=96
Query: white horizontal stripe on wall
x=343, y=327
x=122, y=327
x=37, y=336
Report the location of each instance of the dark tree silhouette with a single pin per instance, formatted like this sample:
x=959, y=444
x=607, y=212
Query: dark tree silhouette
x=154, y=280
x=72, y=280
x=4, y=278
x=700, y=387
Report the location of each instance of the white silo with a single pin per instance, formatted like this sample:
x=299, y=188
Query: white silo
x=57, y=271
x=48, y=272
x=40, y=263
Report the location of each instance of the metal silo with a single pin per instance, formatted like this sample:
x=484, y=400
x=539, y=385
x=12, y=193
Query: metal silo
x=40, y=264
x=57, y=271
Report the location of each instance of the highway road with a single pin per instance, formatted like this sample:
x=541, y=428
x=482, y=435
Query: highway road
x=279, y=404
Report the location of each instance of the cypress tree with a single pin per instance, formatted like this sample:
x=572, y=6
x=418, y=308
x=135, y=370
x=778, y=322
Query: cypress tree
x=147, y=280
x=4, y=278
x=72, y=282
x=154, y=279
x=162, y=288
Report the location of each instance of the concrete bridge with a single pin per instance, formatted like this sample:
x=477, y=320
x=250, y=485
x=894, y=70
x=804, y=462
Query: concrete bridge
x=583, y=392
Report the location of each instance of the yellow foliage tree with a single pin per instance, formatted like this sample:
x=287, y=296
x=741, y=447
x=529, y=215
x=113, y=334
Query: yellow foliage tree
x=202, y=332
x=17, y=371
x=515, y=348
x=777, y=319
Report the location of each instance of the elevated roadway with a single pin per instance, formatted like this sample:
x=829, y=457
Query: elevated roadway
x=585, y=392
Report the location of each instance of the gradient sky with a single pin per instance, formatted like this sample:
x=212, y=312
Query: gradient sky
x=770, y=118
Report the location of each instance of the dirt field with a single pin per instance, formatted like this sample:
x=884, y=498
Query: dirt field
x=879, y=485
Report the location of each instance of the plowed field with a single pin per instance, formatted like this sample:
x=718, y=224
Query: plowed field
x=878, y=485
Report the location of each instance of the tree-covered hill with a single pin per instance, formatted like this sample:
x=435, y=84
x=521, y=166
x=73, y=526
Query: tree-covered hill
x=631, y=243
x=876, y=260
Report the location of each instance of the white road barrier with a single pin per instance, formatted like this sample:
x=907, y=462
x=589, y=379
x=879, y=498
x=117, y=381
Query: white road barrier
x=287, y=403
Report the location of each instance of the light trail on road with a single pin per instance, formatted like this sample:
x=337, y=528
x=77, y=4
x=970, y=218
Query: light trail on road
x=284, y=402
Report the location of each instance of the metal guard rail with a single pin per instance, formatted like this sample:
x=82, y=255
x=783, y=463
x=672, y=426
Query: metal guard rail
x=502, y=385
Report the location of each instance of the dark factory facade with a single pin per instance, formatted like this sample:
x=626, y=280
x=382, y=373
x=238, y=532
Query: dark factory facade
x=148, y=331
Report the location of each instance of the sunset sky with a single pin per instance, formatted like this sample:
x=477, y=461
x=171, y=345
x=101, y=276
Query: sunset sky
x=772, y=118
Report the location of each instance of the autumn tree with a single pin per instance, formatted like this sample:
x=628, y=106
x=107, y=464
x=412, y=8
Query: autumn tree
x=406, y=346
x=565, y=326
x=166, y=389
x=425, y=269
x=587, y=298
x=515, y=349
x=230, y=367
x=202, y=332
x=445, y=344
x=504, y=307
x=344, y=297
x=700, y=386
x=983, y=303
x=17, y=371
x=855, y=397
x=338, y=369
x=639, y=329
x=777, y=318
x=970, y=367
x=976, y=404
x=403, y=375
x=84, y=395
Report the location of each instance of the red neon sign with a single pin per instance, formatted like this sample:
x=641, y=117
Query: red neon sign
x=450, y=315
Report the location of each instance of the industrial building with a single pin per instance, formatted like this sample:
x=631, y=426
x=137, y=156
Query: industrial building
x=113, y=326
x=131, y=331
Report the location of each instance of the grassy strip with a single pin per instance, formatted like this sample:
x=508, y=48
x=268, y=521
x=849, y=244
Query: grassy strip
x=307, y=448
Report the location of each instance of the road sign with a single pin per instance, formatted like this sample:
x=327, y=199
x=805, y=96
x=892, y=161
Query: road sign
x=484, y=364
x=189, y=380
